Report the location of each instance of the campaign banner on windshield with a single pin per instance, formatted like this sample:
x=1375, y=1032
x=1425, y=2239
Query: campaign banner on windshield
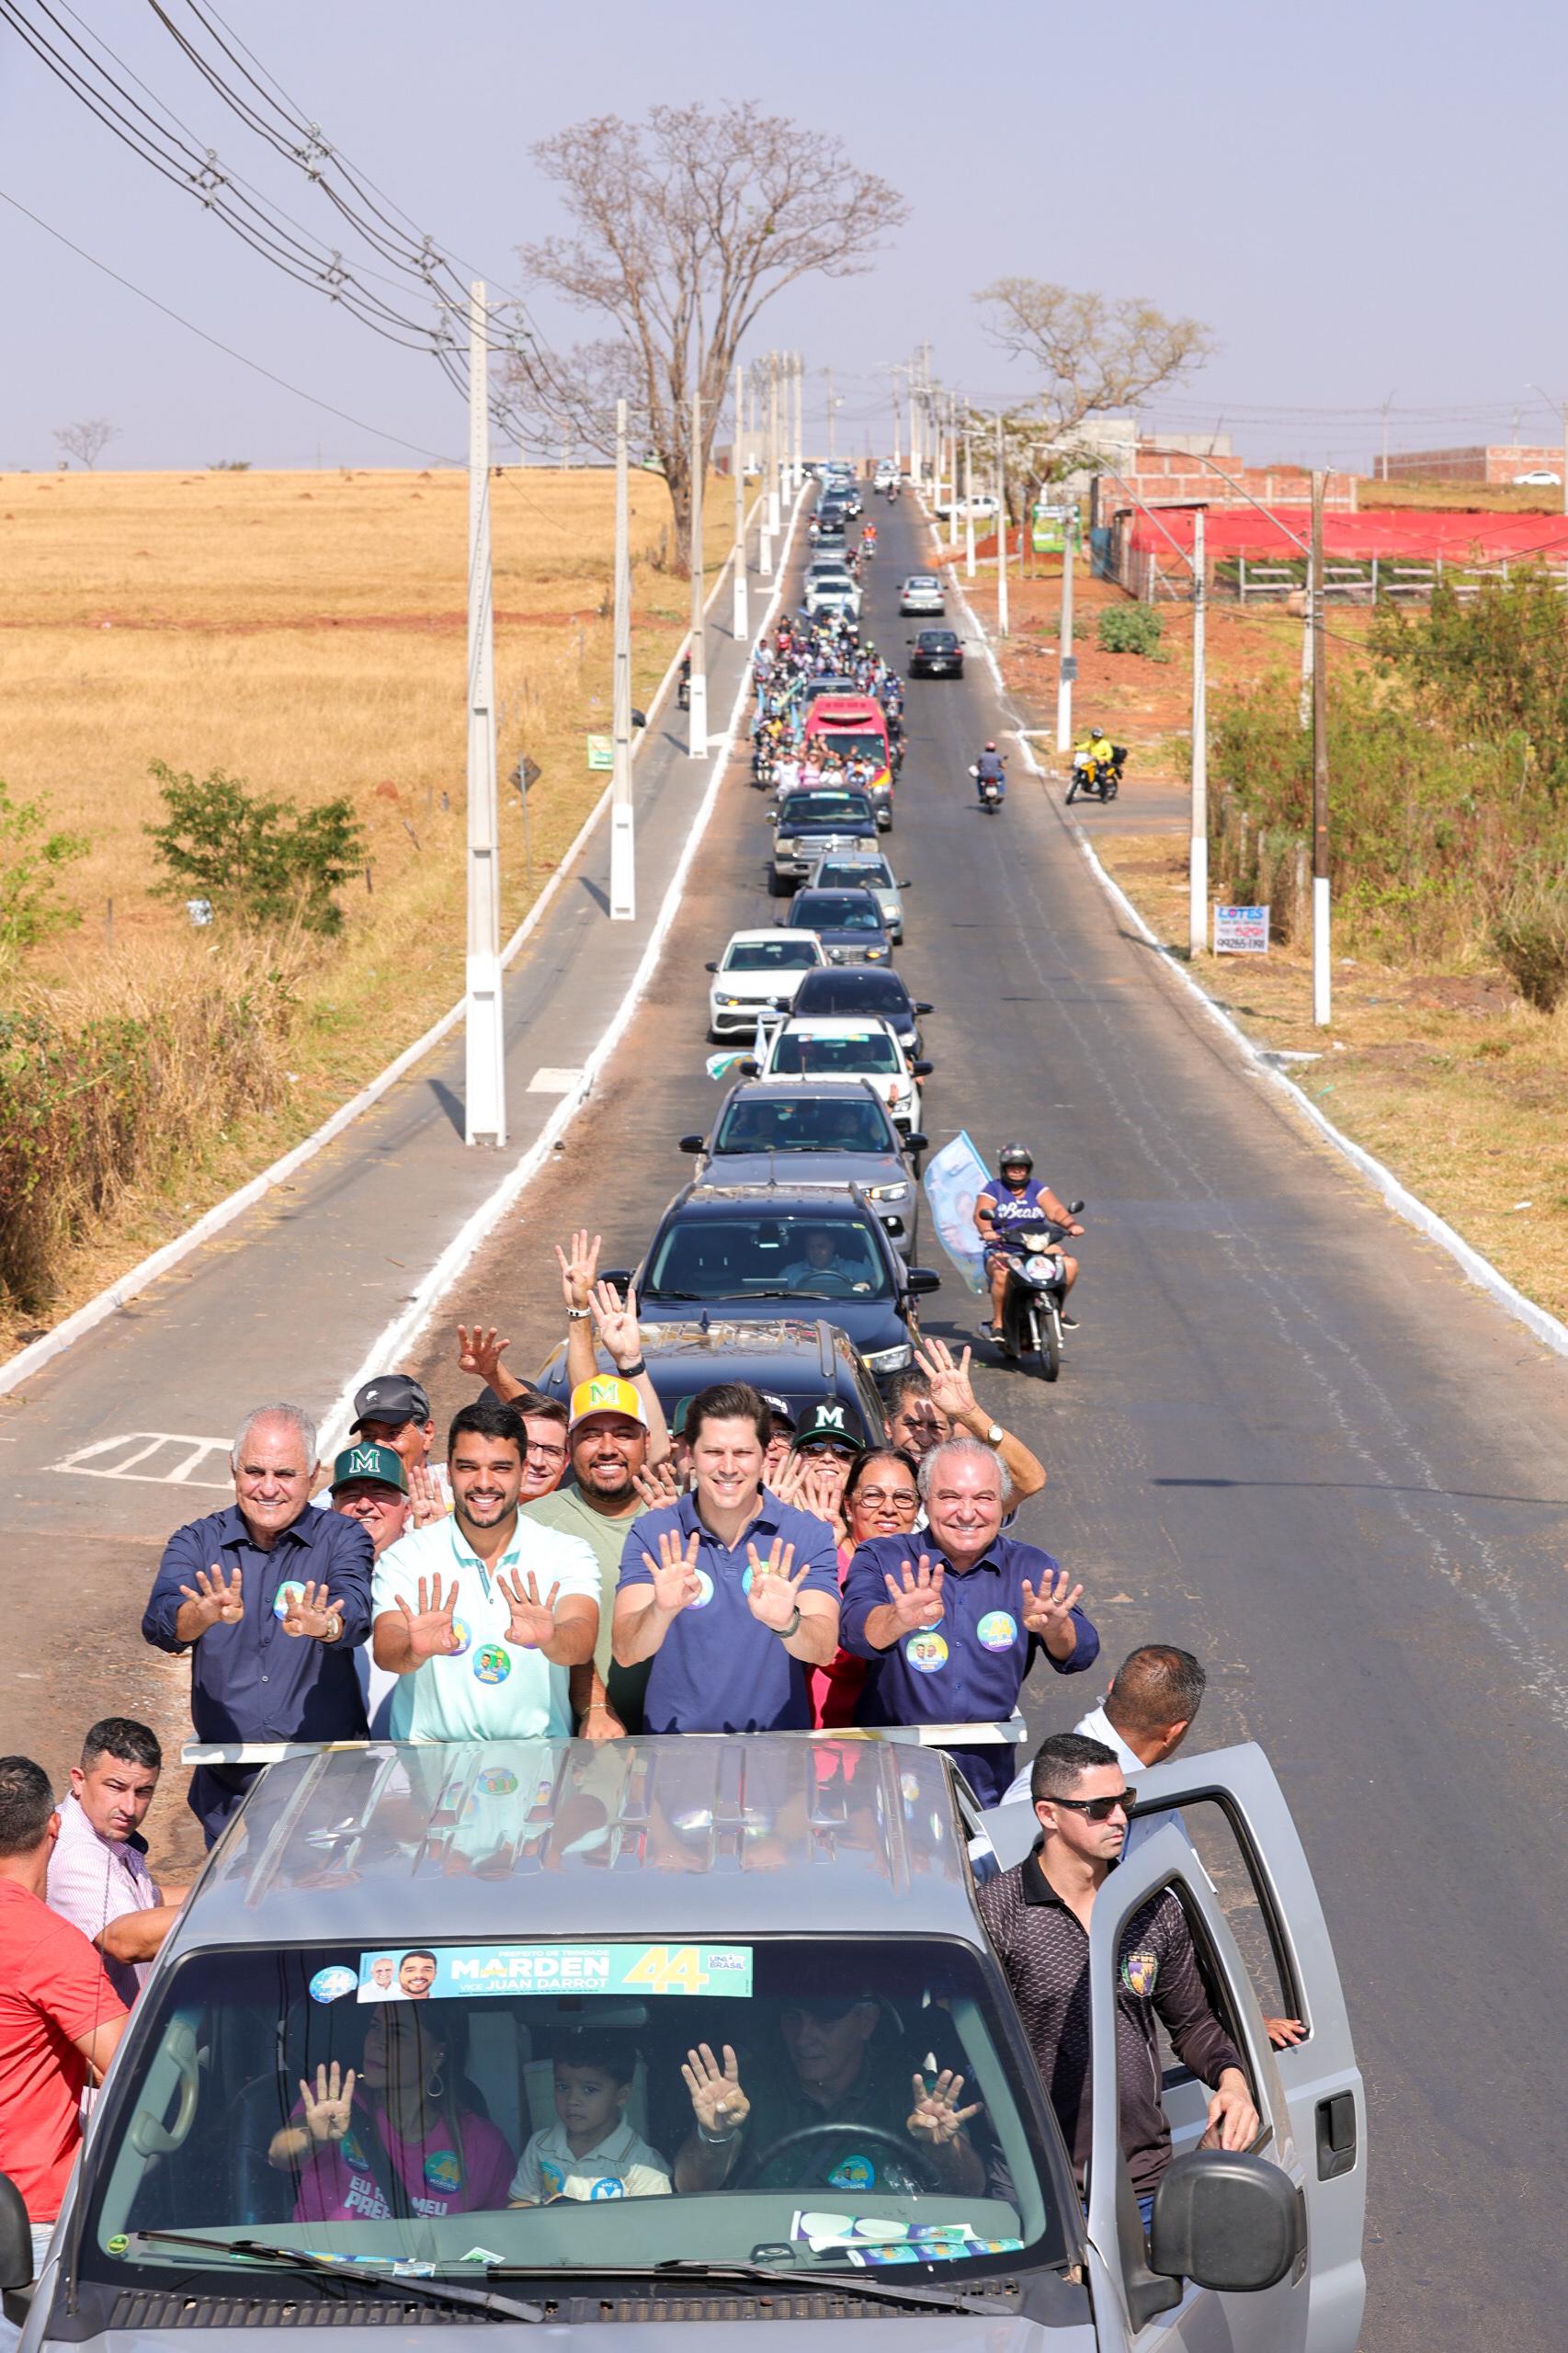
x=953, y=1181
x=431, y=1973
x=1241, y=931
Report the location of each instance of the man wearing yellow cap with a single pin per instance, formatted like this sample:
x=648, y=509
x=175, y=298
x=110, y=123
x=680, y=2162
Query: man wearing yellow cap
x=607, y=1444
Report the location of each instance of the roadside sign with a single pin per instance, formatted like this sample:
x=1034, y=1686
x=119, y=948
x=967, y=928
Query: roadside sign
x=1241, y=931
x=1069, y=669
x=1048, y=530
x=601, y=752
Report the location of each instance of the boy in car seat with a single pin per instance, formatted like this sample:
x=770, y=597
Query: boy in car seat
x=590, y=2152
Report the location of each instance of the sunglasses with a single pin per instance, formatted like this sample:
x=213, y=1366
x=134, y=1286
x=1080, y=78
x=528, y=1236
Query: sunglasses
x=814, y=1449
x=1101, y=1809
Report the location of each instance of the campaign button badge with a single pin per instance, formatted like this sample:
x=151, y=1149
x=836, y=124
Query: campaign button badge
x=927, y=1652
x=997, y=1630
x=492, y=1663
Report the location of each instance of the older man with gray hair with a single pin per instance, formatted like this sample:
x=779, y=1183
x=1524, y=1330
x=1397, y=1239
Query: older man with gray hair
x=271, y=1599
x=952, y=1620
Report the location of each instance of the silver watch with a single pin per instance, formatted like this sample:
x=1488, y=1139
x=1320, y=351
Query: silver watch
x=995, y=1434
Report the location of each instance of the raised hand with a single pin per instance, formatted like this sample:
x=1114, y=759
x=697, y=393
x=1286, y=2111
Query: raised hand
x=310, y=1612
x=817, y=1487
x=659, y=1486
x=532, y=1620
x=1285, y=2033
x=424, y=1494
x=936, y=2116
x=675, y=1582
x=221, y=1602
x=479, y=1352
x=775, y=1595
x=431, y=1634
x=915, y=1596
x=949, y=1384
x=615, y=1321
x=1048, y=1614
x=579, y=1263
x=329, y=2109
x=717, y=2102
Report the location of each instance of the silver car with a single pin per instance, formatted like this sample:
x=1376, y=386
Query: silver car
x=457, y=1924
x=922, y=593
x=863, y=870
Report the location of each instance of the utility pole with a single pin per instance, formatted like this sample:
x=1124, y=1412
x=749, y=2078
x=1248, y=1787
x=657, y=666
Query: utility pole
x=766, y=525
x=622, y=838
x=697, y=745
x=1197, y=862
x=1322, y=1013
x=781, y=456
x=738, y=615
x=1001, y=531
x=968, y=505
x=484, y=1075
x=1066, y=664
x=775, y=507
x=800, y=422
x=897, y=421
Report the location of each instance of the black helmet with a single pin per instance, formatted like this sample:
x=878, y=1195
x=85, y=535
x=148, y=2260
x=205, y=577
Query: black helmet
x=1015, y=1155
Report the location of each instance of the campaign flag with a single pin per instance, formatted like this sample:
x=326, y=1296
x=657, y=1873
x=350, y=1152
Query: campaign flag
x=954, y=1179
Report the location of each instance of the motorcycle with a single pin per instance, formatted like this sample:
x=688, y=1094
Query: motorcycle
x=1032, y=1302
x=990, y=790
x=1100, y=780
x=761, y=771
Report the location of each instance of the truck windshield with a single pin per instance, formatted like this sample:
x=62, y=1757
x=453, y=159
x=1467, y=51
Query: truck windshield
x=375, y=2103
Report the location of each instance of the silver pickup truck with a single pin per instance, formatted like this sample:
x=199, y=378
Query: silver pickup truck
x=470, y=1928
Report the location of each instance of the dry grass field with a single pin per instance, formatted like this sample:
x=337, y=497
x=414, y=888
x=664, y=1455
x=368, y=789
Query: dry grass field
x=305, y=631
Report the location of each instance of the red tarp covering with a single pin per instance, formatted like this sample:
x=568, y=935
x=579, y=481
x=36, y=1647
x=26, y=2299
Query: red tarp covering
x=1415, y=534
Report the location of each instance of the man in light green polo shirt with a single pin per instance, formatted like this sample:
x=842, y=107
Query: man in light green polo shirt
x=608, y=1439
x=482, y=1615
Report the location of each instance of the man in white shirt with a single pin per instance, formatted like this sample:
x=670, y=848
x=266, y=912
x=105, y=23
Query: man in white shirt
x=98, y=1878
x=1145, y=1716
x=482, y=1615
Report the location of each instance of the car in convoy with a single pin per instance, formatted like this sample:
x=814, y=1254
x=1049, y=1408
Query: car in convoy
x=802, y=1358
x=830, y=538
x=759, y=971
x=922, y=593
x=938, y=654
x=676, y=1893
x=792, y=1133
x=732, y=1251
x=889, y=471
x=848, y=924
x=858, y=870
x=835, y=591
x=848, y=1048
x=865, y=988
x=805, y=825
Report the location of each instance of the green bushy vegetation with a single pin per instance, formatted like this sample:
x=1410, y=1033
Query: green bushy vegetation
x=1132, y=628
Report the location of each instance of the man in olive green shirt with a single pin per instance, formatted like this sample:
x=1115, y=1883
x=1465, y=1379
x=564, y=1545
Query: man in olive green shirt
x=608, y=1442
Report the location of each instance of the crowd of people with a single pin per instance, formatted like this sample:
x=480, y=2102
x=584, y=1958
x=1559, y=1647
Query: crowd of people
x=786, y=670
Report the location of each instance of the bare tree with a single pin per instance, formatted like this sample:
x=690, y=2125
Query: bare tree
x=88, y=440
x=1091, y=354
x=685, y=227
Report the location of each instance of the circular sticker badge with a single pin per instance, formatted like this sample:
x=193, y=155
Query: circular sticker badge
x=705, y=1590
x=286, y=1596
x=443, y=2170
x=461, y=1628
x=331, y=1985
x=495, y=1782
x=854, y=2172
x=997, y=1630
x=492, y=1664
x=927, y=1652
x=608, y=2188
x=554, y=2180
x=118, y=2244
x=354, y=2156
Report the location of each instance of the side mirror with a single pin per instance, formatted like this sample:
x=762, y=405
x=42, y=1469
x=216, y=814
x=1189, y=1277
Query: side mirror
x=16, y=2238
x=916, y=1142
x=906, y=884
x=618, y=1276
x=921, y=1005
x=1225, y=2220
x=922, y=1070
x=711, y=967
x=640, y=719
x=923, y=1279
x=692, y=1143
x=771, y=815
x=1075, y=1208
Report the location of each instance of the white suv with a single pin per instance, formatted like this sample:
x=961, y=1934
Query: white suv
x=759, y=972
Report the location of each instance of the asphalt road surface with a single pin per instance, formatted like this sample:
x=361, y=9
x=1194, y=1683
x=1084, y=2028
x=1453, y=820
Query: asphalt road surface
x=1286, y=1435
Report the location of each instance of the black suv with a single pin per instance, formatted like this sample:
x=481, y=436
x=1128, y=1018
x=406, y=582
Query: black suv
x=789, y=1356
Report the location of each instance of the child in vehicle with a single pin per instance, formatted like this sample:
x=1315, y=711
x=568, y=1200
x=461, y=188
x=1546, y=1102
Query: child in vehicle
x=590, y=2152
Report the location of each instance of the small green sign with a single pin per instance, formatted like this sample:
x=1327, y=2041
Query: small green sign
x=1048, y=534
x=601, y=752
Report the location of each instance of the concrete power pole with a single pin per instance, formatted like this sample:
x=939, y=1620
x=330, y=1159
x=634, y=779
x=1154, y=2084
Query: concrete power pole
x=484, y=1073
x=738, y=615
x=1066, y=665
x=1198, y=857
x=800, y=422
x=622, y=838
x=775, y=504
x=968, y=505
x=782, y=471
x=697, y=743
x=1001, y=530
x=1321, y=983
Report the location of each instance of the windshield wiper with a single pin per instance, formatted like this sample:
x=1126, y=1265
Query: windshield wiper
x=951, y=2300
x=299, y=2258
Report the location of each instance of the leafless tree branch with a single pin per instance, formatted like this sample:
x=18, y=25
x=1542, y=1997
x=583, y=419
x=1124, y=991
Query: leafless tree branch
x=86, y=440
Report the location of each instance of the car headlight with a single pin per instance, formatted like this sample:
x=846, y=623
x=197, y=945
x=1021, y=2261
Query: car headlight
x=791, y=849
x=889, y=1359
x=731, y=1000
x=876, y=955
x=887, y=1192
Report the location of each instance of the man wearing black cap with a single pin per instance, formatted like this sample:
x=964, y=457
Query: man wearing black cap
x=394, y=1410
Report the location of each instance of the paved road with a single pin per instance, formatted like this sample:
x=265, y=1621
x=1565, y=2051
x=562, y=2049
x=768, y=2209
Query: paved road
x=1287, y=1436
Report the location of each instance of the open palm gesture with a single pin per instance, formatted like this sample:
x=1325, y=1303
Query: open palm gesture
x=532, y=1622
x=310, y=1612
x=717, y=2102
x=676, y=1583
x=775, y=1595
x=1048, y=1614
x=579, y=1265
x=915, y=1596
x=951, y=1391
x=431, y=1634
x=615, y=1321
x=329, y=2107
x=220, y=1600
x=480, y=1351
x=936, y=2116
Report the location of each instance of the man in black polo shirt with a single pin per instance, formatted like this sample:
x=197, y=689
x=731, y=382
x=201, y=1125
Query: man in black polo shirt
x=835, y=2067
x=1037, y=1916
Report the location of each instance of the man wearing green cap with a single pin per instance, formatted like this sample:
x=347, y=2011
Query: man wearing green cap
x=370, y=1485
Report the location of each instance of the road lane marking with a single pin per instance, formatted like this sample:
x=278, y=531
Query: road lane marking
x=108, y=1458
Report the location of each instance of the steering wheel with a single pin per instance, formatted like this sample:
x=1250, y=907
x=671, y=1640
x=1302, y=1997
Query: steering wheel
x=827, y=1282
x=904, y=2149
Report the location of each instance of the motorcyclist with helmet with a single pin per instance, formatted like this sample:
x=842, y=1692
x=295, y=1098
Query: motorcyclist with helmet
x=990, y=768
x=1099, y=757
x=1011, y=1204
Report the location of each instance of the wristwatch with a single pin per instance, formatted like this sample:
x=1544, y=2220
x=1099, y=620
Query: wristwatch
x=995, y=1434
x=332, y=1629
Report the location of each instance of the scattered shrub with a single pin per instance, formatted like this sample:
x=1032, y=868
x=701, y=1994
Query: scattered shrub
x=1530, y=936
x=1132, y=628
x=31, y=864
x=260, y=861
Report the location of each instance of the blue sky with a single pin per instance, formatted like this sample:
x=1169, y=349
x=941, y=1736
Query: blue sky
x=1359, y=203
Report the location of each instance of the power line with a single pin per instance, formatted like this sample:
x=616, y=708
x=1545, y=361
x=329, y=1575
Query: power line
x=442, y=457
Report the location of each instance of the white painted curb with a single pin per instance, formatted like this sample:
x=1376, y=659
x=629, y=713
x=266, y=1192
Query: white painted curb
x=32, y=1359
x=1415, y=1212
x=394, y=1340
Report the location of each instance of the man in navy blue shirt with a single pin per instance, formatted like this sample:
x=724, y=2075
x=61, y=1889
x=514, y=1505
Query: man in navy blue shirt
x=271, y=1599
x=952, y=1629
x=731, y=1594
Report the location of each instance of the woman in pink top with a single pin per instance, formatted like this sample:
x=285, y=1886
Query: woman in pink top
x=398, y=2137
x=880, y=1497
